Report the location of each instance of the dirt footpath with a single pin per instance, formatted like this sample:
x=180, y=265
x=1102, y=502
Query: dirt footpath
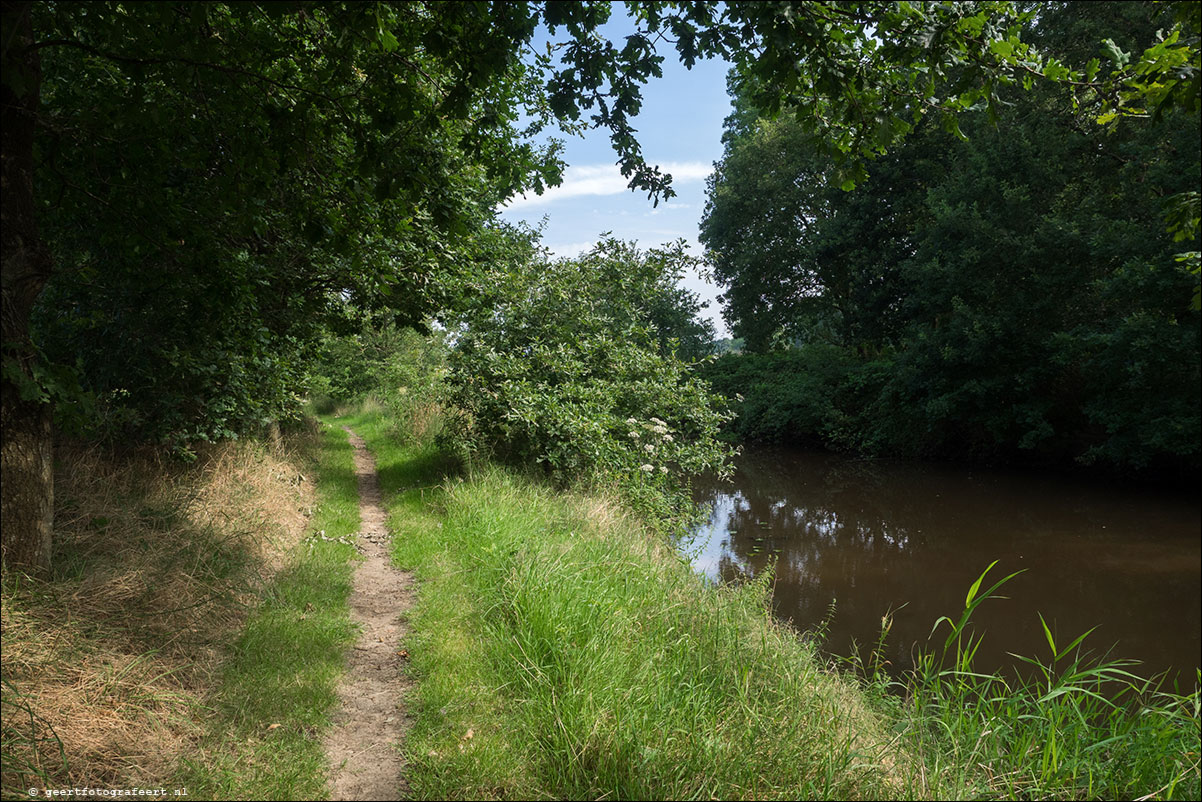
x=371, y=721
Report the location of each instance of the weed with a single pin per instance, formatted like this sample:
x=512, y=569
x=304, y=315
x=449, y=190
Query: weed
x=1073, y=727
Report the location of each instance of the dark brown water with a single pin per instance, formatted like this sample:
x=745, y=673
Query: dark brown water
x=874, y=536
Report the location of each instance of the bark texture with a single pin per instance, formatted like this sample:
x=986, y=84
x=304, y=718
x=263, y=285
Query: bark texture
x=27, y=483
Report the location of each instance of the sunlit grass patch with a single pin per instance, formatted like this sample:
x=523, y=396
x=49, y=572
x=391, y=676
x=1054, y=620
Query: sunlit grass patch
x=107, y=660
x=561, y=652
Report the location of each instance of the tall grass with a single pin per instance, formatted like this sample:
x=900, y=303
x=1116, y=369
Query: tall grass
x=1070, y=727
x=278, y=687
x=106, y=660
x=561, y=652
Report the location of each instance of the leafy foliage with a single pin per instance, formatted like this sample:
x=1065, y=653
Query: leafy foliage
x=383, y=360
x=859, y=77
x=250, y=176
x=400, y=369
x=1013, y=296
x=573, y=367
x=802, y=259
x=219, y=182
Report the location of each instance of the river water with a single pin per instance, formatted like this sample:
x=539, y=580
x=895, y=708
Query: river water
x=877, y=536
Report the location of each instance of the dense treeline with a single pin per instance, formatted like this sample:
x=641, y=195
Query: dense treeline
x=1013, y=296
x=196, y=195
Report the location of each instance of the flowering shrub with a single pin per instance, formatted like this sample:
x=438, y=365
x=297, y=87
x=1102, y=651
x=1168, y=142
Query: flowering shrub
x=565, y=368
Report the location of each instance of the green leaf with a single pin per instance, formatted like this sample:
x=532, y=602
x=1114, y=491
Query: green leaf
x=1116, y=55
x=1002, y=47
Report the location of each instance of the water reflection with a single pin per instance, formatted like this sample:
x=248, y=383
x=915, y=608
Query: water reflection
x=876, y=536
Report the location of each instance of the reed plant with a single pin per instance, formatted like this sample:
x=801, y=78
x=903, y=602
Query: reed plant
x=1067, y=726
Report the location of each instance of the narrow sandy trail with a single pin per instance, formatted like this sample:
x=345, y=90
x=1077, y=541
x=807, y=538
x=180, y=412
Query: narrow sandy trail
x=371, y=720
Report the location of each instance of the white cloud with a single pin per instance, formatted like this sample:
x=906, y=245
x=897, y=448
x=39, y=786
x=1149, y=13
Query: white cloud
x=653, y=238
x=570, y=249
x=668, y=206
x=606, y=179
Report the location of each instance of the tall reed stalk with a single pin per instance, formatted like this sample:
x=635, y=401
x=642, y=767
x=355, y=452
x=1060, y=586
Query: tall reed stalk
x=1073, y=727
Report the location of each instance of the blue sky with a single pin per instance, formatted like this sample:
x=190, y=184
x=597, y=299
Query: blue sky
x=680, y=129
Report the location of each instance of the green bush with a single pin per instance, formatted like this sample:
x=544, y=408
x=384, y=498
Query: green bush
x=397, y=367
x=572, y=367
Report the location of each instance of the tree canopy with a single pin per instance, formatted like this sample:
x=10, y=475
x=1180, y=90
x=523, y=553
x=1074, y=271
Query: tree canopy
x=200, y=188
x=1014, y=295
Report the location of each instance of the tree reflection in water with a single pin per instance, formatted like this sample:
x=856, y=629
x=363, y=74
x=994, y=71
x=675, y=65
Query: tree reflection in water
x=878, y=535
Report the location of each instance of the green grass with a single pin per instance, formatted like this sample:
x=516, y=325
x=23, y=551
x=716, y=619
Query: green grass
x=279, y=686
x=561, y=652
x=1073, y=727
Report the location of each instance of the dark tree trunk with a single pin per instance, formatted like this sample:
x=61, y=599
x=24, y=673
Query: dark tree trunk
x=25, y=455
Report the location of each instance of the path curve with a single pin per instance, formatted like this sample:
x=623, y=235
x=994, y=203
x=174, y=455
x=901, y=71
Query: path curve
x=371, y=721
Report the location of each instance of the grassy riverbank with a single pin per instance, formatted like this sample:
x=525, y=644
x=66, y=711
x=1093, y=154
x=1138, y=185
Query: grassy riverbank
x=562, y=652
x=1072, y=727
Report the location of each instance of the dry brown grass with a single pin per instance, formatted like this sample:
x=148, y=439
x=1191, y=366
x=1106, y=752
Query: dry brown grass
x=155, y=567
x=426, y=421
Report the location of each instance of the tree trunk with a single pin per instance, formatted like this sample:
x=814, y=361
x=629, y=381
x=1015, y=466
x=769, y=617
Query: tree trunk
x=27, y=484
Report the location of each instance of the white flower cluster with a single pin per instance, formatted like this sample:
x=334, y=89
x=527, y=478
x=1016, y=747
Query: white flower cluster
x=656, y=427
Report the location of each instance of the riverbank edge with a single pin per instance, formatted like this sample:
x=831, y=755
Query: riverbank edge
x=561, y=651
x=526, y=687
